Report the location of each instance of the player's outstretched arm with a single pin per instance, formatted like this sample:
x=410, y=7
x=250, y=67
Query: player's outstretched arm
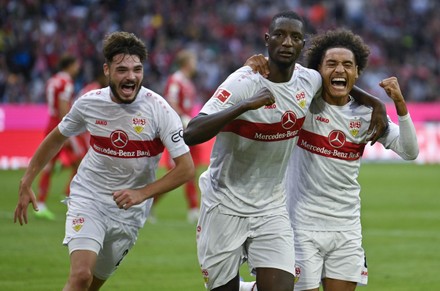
x=406, y=145
x=392, y=88
x=203, y=127
x=177, y=176
x=50, y=146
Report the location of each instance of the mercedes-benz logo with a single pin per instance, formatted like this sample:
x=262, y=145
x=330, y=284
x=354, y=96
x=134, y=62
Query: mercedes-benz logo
x=288, y=119
x=119, y=138
x=336, y=138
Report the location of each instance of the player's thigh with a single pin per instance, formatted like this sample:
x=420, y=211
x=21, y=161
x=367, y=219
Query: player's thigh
x=346, y=262
x=309, y=259
x=83, y=254
x=84, y=222
x=274, y=279
x=338, y=285
x=120, y=238
x=220, y=240
x=271, y=243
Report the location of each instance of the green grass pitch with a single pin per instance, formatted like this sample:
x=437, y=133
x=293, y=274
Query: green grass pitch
x=401, y=229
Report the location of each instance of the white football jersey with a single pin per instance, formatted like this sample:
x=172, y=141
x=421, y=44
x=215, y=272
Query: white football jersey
x=322, y=187
x=250, y=154
x=126, y=143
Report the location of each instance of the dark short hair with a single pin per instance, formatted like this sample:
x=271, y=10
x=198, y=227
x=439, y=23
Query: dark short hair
x=286, y=14
x=121, y=42
x=339, y=38
x=66, y=61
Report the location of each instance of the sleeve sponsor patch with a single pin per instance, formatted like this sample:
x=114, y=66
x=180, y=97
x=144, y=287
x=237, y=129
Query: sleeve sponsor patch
x=222, y=94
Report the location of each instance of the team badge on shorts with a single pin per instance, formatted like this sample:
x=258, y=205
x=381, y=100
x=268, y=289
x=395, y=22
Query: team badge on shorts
x=300, y=98
x=77, y=223
x=364, y=274
x=138, y=123
x=354, y=127
x=205, y=275
x=297, y=273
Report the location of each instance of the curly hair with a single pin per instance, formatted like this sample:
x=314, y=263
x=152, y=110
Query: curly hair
x=121, y=42
x=340, y=38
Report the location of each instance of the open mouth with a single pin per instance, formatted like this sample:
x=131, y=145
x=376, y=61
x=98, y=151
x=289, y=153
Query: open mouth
x=339, y=82
x=128, y=88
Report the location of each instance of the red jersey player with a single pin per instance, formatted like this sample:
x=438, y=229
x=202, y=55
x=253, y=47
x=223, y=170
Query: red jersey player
x=59, y=97
x=180, y=92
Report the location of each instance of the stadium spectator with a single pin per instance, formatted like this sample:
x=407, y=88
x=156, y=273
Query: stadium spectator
x=405, y=36
x=111, y=194
x=60, y=97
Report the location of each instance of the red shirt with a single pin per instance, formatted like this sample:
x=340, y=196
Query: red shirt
x=181, y=90
x=58, y=87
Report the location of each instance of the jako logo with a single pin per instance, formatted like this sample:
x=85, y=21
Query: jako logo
x=322, y=119
x=101, y=122
x=273, y=106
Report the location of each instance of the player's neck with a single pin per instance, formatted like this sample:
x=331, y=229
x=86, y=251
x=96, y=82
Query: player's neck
x=280, y=74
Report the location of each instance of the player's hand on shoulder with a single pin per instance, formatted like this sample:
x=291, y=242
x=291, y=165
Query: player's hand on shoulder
x=392, y=88
x=259, y=64
x=379, y=123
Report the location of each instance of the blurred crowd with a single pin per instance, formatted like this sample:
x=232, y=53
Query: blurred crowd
x=403, y=35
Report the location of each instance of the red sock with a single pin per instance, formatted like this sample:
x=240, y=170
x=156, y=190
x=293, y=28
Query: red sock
x=43, y=186
x=191, y=194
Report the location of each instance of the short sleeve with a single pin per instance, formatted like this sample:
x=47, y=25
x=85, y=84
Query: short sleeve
x=238, y=86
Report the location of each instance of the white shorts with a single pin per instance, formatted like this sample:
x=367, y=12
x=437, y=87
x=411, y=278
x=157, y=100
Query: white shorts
x=89, y=229
x=223, y=241
x=329, y=254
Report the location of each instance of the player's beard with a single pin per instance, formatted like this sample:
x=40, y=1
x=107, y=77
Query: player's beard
x=114, y=92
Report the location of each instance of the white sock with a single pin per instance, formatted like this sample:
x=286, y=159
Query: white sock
x=248, y=286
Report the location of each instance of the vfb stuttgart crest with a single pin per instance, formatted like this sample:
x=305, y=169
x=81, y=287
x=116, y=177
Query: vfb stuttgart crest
x=300, y=98
x=139, y=123
x=354, y=126
x=77, y=223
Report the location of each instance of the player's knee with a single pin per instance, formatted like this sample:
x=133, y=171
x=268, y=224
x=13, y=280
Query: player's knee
x=81, y=278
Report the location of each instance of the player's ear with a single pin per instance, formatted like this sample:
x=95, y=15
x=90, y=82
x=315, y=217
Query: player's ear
x=106, y=69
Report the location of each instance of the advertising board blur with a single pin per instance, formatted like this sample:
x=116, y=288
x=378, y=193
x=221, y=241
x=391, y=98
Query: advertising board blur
x=22, y=130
